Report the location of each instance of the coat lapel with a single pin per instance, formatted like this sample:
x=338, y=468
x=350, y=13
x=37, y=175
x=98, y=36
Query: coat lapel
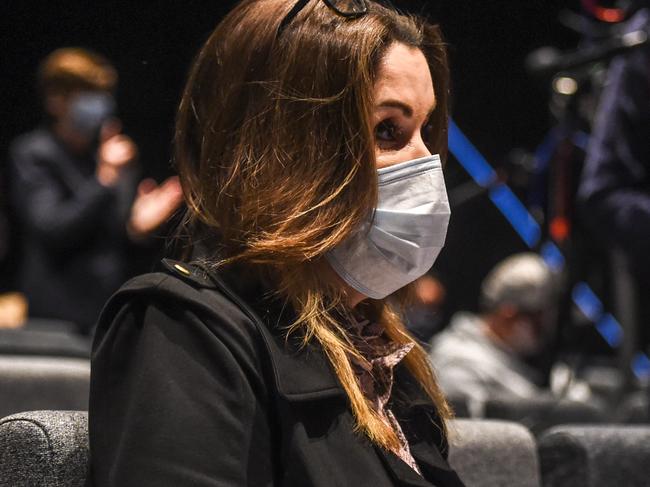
x=300, y=372
x=433, y=466
x=419, y=420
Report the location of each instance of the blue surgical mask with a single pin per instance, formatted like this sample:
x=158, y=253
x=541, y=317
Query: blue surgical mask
x=405, y=235
x=89, y=111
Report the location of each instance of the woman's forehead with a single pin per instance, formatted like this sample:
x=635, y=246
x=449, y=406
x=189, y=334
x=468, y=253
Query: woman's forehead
x=404, y=76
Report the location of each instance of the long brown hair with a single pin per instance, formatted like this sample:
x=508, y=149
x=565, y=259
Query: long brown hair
x=276, y=155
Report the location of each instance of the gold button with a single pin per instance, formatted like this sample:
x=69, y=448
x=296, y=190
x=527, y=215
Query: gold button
x=182, y=269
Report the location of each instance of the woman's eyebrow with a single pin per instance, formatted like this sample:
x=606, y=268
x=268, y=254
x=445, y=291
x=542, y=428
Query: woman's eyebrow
x=406, y=109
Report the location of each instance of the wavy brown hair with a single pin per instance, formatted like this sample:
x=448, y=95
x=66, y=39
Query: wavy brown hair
x=276, y=155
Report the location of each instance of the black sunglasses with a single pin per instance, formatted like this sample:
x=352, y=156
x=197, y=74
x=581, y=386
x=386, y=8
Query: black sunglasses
x=345, y=8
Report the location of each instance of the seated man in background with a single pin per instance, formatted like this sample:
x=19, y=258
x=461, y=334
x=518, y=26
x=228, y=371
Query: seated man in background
x=483, y=356
x=75, y=194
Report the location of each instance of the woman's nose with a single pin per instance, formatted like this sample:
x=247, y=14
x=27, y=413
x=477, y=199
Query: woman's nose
x=419, y=148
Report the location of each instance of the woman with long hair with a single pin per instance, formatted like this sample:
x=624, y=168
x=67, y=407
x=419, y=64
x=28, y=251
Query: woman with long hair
x=309, y=142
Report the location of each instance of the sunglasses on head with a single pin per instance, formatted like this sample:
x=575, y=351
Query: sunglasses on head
x=345, y=8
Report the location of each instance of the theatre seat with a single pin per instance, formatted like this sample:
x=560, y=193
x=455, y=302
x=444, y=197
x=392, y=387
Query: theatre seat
x=540, y=414
x=634, y=409
x=493, y=454
x=44, y=449
x=45, y=337
x=50, y=448
x=595, y=456
x=29, y=383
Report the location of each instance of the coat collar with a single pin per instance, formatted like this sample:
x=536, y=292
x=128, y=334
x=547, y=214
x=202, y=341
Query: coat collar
x=300, y=373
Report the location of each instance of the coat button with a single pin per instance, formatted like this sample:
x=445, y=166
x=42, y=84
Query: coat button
x=182, y=270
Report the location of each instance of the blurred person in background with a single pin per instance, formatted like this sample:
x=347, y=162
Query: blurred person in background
x=614, y=190
x=75, y=195
x=13, y=310
x=5, y=236
x=13, y=306
x=483, y=356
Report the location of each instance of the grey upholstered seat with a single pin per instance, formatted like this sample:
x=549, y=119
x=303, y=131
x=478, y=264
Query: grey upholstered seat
x=44, y=337
x=493, y=454
x=50, y=449
x=29, y=383
x=540, y=414
x=634, y=409
x=44, y=449
x=595, y=456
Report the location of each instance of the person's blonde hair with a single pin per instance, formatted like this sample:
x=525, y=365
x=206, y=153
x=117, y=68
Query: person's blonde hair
x=75, y=69
x=276, y=155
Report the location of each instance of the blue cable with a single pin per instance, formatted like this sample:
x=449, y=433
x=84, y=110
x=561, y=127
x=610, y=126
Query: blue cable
x=516, y=213
x=641, y=366
x=587, y=302
x=610, y=329
x=471, y=159
x=552, y=255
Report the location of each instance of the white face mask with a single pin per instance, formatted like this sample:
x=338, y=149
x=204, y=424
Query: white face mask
x=405, y=236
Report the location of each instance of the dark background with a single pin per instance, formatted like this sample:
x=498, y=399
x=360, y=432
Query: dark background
x=152, y=43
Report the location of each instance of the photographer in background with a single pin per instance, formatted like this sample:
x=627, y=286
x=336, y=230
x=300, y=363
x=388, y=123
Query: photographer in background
x=614, y=191
x=75, y=194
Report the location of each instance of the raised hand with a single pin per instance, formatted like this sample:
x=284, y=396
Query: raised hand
x=116, y=151
x=153, y=206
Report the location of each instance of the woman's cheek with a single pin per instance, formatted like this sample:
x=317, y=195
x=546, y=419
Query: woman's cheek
x=385, y=159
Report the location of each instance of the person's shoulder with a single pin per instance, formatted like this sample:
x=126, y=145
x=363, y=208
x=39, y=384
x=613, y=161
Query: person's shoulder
x=175, y=324
x=461, y=346
x=38, y=142
x=188, y=297
x=461, y=330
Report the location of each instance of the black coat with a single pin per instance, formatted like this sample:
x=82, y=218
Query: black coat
x=73, y=245
x=192, y=386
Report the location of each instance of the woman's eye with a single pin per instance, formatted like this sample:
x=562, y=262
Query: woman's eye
x=386, y=131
